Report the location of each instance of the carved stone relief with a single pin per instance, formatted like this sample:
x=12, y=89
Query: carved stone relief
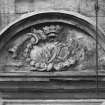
x=54, y=47
x=50, y=47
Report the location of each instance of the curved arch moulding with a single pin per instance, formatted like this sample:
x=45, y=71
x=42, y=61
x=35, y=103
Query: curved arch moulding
x=51, y=43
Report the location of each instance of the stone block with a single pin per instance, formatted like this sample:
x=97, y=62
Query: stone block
x=70, y=5
x=4, y=20
x=7, y=6
x=42, y=4
x=87, y=7
x=24, y=6
x=101, y=8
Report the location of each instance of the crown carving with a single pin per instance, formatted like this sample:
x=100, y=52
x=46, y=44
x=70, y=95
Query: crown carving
x=51, y=29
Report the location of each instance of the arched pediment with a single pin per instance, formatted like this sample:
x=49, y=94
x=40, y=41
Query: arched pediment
x=50, y=41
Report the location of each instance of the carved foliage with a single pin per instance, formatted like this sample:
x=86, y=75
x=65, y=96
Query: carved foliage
x=53, y=47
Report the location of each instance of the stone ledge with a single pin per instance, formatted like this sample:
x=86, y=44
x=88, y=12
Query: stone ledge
x=54, y=102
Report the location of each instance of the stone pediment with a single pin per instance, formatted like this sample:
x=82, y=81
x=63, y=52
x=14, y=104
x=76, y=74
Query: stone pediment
x=57, y=48
x=51, y=41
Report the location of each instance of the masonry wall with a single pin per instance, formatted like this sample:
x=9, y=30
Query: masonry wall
x=13, y=9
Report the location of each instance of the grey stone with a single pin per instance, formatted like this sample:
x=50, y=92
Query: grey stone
x=71, y=5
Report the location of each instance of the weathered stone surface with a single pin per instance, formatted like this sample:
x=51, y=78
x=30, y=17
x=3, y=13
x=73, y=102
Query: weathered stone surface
x=60, y=47
x=42, y=4
x=101, y=8
x=101, y=21
x=87, y=7
x=7, y=6
x=16, y=8
x=6, y=18
x=29, y=6
x=24, y=6
x=71, y=5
